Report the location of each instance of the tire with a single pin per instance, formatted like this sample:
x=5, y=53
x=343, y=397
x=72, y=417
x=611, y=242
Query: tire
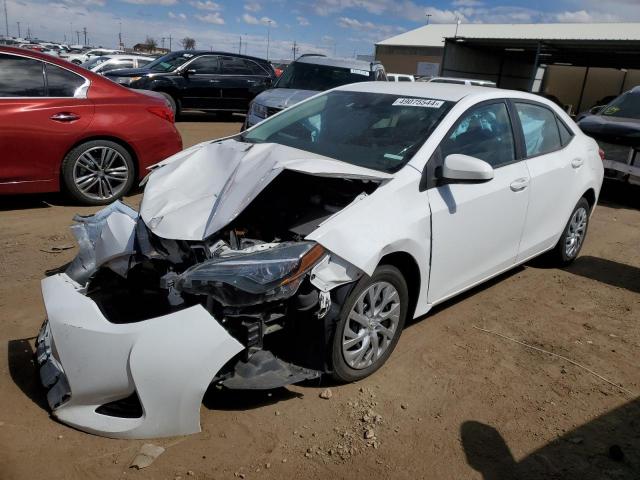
x=573, y=235
x=353, y=340
x=173, y=104
x=98, y=172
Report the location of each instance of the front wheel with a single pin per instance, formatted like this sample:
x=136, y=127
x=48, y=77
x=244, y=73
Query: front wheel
x=370, y=324
x=573, y=235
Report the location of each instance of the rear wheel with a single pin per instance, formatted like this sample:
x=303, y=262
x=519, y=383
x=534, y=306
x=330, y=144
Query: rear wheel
x=370, y=324
x=98, y=172
x=573, y=235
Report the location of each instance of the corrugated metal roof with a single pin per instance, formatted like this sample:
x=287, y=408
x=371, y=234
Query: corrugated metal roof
x=433, y=35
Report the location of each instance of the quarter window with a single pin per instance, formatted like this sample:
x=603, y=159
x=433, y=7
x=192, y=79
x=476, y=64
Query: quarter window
x=485, y=133
x=235, y=66
x=565, y=134
x=62, y=83
x=541, y=134
x=20, y=77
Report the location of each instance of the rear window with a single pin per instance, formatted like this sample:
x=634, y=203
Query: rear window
x=306, y=76
x=626, y=105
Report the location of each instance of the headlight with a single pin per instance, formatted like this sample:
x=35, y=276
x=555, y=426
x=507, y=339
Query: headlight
x=267, y=275
x=258, y=110
x=125, y=80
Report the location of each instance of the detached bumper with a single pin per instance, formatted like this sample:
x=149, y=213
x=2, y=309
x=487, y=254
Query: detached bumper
x=86, y=362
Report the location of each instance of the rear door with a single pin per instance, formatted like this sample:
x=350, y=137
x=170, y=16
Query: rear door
x=201, y=84
x=241, y=80
x=44, y=110
x=554, y=160
x=477, y=226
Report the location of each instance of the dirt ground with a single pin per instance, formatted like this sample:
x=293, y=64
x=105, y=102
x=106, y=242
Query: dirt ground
x=453, y=402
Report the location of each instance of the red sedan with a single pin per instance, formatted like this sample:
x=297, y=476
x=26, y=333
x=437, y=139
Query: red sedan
x=65, y=128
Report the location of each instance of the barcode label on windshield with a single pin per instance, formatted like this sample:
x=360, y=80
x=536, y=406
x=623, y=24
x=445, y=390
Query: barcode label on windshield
x=355, y=71
x=419, y=102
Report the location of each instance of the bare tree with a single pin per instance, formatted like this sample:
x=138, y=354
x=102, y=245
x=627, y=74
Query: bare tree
x=151, y=44
x=188, y=43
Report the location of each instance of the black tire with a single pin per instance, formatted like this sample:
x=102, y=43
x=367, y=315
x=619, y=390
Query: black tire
x=562, y=254
x=342, y=371
x=173, y=104
x=71, y=164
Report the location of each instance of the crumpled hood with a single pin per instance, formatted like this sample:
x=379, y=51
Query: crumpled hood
x=198, y=191
x=283, y=97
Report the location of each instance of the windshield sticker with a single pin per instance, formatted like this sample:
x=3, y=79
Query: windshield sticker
x=364, y=73
x=418, y=102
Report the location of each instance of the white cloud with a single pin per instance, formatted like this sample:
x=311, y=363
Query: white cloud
x=151, y=2
x=207, y=5
x=303, y=21
x=213, y=18
x=252, y=7
x=251, y=20
x=466, y=3
x=177, y=16
x=377, y=28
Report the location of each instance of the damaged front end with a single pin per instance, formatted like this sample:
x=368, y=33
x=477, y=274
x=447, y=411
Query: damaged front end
x=139, y=326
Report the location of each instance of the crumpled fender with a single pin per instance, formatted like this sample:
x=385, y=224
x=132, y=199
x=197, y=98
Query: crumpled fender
x=169, y=361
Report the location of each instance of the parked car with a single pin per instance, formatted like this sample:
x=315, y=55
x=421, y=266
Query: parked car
x=400, y=77
x=202, y=80
x=305, y=77
x=80, y=58
x=107, y=63
x=616, y=128
x=594, y=109
x=462, y=81
x=65, y=128
x=302, y=246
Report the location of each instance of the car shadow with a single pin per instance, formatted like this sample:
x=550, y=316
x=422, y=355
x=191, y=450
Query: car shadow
x=30, y=201
x=24, y=372
x=224, y=399
x=618, y=195
x=605, y=448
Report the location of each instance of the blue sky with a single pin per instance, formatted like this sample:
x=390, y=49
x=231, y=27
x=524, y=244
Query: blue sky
x=341, y=26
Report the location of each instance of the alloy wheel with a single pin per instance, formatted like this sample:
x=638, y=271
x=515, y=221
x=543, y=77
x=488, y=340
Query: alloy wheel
x=101, y=173
x=576, y=232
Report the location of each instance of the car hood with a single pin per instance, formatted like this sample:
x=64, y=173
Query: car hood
x=283, y=97
x=197, y=192
x=127, y=72
x=612, y=129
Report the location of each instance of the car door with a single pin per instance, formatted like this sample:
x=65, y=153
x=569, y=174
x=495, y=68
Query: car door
x=476, y=227
x=44, y=109
x=201, y=83
x=240, y=81
x=553, y=161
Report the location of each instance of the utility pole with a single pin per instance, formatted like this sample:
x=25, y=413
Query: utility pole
x=169, y=42
x=78, y=35
x=428, y=17
x=28, y=31
x=19, y=36
x=457, y=25
x=84, y=30
x=6, y=19
x=240, y=49
x=295, y=50
x=120, y=46
x=162, y=40
x=268, y=37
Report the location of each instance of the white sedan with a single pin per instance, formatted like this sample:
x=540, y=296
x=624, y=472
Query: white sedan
x=301, y=246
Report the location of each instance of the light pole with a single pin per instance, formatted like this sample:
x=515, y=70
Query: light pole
x=19, y=36
x=428, y=17
x=269, y=22
x=6, y=18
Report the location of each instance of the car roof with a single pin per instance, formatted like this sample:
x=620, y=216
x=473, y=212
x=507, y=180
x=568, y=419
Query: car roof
x=439, y=91
x=197, y=53
x=335, y=62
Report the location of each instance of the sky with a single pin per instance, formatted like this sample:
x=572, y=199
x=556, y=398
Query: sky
x=334, y=27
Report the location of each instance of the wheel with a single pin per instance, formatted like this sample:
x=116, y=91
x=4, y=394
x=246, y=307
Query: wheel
x=370, y=324
x=573, y=235
x=98, y=172
x=173, y=104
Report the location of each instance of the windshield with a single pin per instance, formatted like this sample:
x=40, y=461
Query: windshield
x=306, y=76
x=94, y=62
x=626, y=105
x=169, y=62
x=372, y=130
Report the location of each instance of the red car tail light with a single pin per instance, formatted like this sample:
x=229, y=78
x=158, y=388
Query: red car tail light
x=601, y=153
x=162, y=112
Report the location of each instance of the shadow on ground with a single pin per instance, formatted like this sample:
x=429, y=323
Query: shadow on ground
x=223, y=399
x=605, y=448
x=619, y=195
x=24, y=370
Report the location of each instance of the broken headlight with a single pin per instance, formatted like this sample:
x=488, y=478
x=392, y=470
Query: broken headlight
x=266, y=275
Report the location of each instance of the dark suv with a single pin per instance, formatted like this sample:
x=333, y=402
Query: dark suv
x=201, y=80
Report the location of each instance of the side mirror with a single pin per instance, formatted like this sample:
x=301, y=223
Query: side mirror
x=463, y=168
x=596, y=109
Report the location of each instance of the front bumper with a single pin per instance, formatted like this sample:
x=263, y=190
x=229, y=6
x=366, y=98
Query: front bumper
x=87, y=361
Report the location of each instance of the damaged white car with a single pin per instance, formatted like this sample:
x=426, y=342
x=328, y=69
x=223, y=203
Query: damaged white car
x=301, y=246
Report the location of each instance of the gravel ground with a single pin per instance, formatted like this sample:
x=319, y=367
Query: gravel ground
x=452, y=402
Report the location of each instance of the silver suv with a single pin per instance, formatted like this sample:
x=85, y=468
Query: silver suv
x=307, y=76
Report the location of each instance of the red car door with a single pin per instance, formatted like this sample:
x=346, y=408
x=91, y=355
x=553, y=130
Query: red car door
x=44, y=110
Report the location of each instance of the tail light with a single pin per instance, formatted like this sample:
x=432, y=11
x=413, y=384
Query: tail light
x=163, y=112
x=601, y=153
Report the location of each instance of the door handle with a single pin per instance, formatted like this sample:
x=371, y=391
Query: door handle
x=577, y=162
x=64, y=117
x=519, y=184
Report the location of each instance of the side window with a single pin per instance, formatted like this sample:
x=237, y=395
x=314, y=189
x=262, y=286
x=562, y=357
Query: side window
x=404, y=79
x=484, y=132
x=234, y=66
x=566, y=135
x=117, y=65
x=61, y=82
x=254, y=68
x=20, y=77
x=540, y=129
x=207, y=65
